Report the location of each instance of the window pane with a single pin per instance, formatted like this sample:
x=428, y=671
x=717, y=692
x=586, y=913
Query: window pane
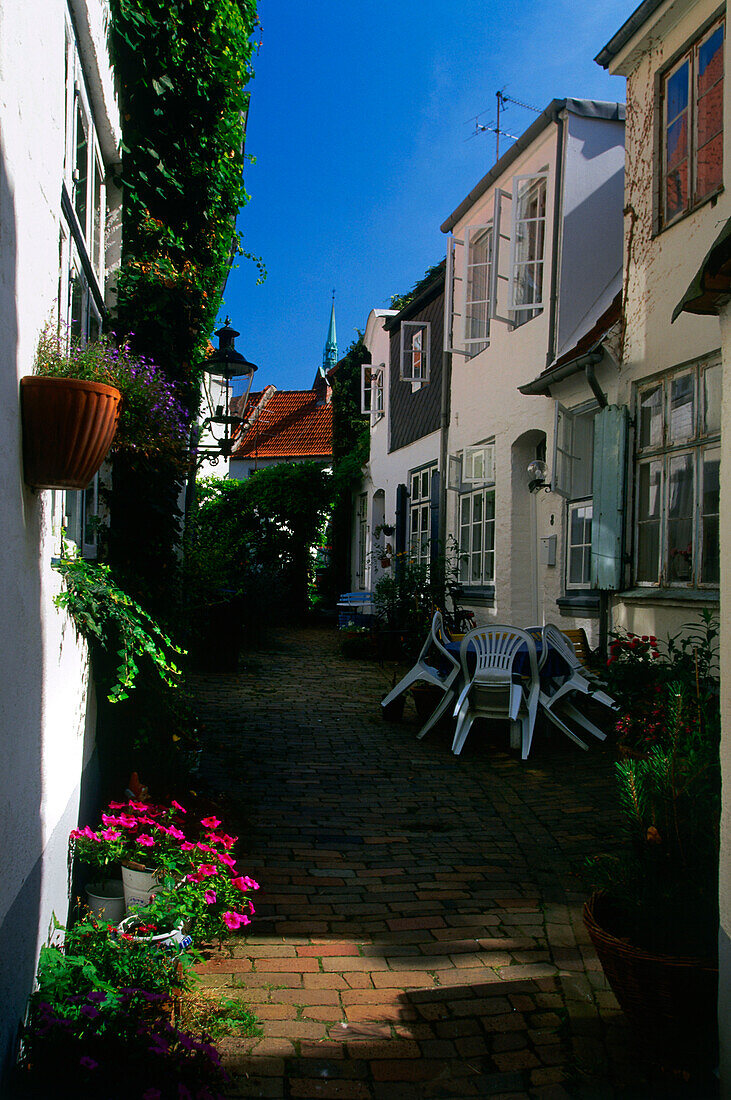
x=81, y=166
x=425, y=485
x=710, y=167
x=529, y=243
x=98, y=217
x=415, y=487
x=676, y=191
x=651, y=417
x=680, y=518
x=682, y=420
x=648, y=521
x=583, y=448
x=710, y=573
x=576, y=565
x=712, y=399
x=477, y=308
x=710, y=61
x=676, y=91
x=77, y=323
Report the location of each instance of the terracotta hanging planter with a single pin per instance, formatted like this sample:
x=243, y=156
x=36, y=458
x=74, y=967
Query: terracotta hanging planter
x=68, y=428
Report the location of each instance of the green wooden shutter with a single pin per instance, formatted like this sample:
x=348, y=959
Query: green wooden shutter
x=610, y=460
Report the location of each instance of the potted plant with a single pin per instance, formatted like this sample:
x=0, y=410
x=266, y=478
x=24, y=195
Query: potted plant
x=653, y=918
x=82, y=399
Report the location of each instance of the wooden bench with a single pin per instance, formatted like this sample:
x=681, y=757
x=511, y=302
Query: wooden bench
x=580, y=642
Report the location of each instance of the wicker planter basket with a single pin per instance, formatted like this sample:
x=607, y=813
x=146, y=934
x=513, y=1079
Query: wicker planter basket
x=669, y=1001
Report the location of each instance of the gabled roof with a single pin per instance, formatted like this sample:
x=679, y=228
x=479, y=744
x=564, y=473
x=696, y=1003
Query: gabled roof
x=292, y=424
x=589, y=108
x=626, y=32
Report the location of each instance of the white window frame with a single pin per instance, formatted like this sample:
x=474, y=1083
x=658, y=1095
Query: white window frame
x=409, y=372
x=420, y=482
x=476, y=344
x=571, y=507
x=478, y=464
x=366, y=388
x=469, y=550
x=699, y=443
x=689, y=57
x=520, y=310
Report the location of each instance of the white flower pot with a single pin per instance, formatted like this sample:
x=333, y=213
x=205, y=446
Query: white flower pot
x=176, y=937
x=106, y=900
x=139, y=886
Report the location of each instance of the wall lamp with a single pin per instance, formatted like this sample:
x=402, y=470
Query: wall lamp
x=537, y=476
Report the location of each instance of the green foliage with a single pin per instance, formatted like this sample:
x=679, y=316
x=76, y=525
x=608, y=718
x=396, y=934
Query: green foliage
x=106, y=616
x=151, y=421
x=640, y=669
x=94, y=956
x=400, y=301
x=250, y=541
x=663, y=882
x=404, y=603
x=351, y=444
x=183, y=68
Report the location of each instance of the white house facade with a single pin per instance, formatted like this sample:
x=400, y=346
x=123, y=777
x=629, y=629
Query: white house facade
x=59, y=227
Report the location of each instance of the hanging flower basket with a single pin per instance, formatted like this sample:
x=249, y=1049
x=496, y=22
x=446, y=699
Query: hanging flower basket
x=68, y=428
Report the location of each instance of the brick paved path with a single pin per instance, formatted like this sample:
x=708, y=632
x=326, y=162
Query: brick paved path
x=418, y=930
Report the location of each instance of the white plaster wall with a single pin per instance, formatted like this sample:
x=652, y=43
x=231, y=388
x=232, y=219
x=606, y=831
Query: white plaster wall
x=724, y=985
x=46, y=706
x=485, y=401
x=241, y=468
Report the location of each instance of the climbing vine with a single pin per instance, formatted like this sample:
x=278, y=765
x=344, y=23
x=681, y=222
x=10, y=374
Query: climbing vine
x=183, y=67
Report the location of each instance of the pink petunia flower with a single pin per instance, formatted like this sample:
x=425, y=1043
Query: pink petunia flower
x=175, y=832
x=88, y=1062
x=210, y=897
x=252, y=910
x=204, y=847
x=84, y=834
x=179, y=807
x=187, y=847
x=117, y=805
x=210, y=822
x=234, y=920
x=228, y=860
x=243, y=882
x=145, y=840
x=110, y=834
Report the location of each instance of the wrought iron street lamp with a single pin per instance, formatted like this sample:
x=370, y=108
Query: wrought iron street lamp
x=218, y=430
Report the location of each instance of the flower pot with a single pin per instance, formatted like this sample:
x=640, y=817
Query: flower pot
x=106, y=900
x=175, y=937
x=68, y=428
x=669, y=1001
x=140, y=884
x=385, y=563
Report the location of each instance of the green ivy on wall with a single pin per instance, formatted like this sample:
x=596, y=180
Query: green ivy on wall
x=183, y=68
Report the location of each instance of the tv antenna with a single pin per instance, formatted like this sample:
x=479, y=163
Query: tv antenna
x=494, y=127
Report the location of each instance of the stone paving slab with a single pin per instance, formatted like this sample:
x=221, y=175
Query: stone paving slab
x=418, y=930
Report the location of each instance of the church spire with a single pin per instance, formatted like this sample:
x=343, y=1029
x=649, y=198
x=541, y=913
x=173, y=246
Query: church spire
x=330, y=353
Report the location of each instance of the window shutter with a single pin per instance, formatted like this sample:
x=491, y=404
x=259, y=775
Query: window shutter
x=401, y=518
x=434, y=519
x=610, y=460
x=562, y=450
x=365, y=388
x=455, y=473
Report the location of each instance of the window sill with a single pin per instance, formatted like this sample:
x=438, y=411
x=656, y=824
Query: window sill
x=483, y=595
x=584, y=603
x=671, y=595
x=712, y=198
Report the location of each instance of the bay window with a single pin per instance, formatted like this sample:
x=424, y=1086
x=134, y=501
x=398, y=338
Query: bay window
x=677, y=478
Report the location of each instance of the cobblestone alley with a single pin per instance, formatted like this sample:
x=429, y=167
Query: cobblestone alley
x=418, y=929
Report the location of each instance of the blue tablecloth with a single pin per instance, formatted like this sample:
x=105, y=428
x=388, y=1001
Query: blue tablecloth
x=554, y=664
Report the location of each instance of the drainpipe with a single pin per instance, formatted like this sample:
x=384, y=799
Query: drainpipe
x=557, y=205
x=444, y=453
x=592, y=380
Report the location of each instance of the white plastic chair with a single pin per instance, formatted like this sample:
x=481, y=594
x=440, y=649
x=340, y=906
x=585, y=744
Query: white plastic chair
x=575, y=681
x=431, y=673
x=491, y=692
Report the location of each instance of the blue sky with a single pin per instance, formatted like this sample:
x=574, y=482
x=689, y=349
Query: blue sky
x=360, y=126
